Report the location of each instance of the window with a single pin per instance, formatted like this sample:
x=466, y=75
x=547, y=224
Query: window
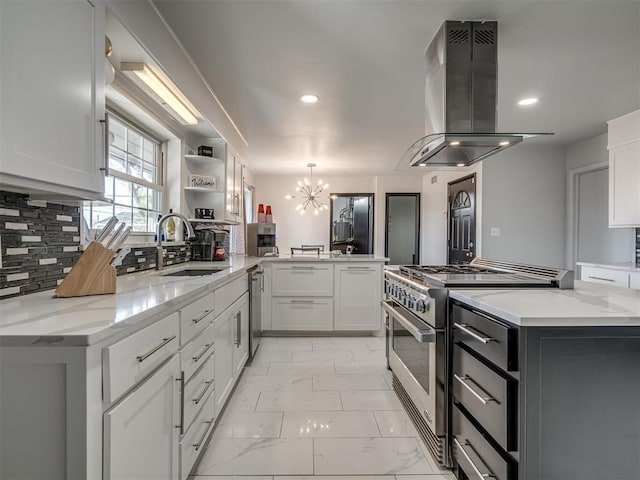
x=134, y=180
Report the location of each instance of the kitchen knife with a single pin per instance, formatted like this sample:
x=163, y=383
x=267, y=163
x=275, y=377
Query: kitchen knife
x=115, y=235
x=104, y=233
x=121, y=238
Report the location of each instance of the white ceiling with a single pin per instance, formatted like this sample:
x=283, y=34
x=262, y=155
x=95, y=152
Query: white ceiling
x=364, y=58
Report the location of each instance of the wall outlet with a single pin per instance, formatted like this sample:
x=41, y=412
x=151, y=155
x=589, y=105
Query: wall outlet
x=495, y=231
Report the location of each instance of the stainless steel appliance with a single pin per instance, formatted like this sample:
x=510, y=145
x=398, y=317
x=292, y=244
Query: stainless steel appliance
x=261, y=239
x=461, y=98
x=256, y=287
x=203, y=248
x=419, y=332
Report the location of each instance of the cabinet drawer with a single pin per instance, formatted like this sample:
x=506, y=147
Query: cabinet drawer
x=128, y=361
x=193, y=441
x=196, y=316
x=489, y=397
x=196, y=352
x=229, y=293
x=634, y=280
x=474, y=455
x=197, y=391
x=494, y=340
x=301, y=314
x=302, y=279
x=605, y=276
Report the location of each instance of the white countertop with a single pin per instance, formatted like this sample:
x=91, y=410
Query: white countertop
x=628, y=267
x=43, y=319
x=589, y=304
x=326, y=257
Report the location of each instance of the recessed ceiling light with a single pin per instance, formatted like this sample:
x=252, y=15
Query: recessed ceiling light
x=453, y=144
x=309, y=98
x=460, y=165
x=528, y=101
x=503, y=144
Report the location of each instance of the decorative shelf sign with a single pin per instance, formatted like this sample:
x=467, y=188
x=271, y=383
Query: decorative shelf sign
x=202, y=181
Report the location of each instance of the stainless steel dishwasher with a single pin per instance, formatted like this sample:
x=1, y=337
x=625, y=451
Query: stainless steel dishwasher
x=256, y=287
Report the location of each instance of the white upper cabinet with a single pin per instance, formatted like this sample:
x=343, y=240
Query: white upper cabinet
x=234, y=186
x=52, y=96
x=624, y=170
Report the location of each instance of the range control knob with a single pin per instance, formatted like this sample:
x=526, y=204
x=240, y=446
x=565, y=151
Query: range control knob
x=421, y=306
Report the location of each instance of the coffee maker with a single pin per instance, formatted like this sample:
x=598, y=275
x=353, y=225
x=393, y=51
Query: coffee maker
x=208, y=245
x=261, y=239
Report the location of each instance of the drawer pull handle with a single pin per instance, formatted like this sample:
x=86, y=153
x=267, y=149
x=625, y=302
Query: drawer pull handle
x=204, y=435
x=601, y=278
x=302, y=301
x=464, y=380
x=302, y=268
x=165, y=341
x=204, y=314
x=204, y=390
x=467, y=329
x=358, y=268
x=473, y=465
x=196, y=358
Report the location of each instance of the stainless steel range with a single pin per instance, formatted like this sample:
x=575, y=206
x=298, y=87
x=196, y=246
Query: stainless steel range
x=419, y=333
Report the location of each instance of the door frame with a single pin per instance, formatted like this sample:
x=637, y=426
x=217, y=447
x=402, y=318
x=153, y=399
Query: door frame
x=475, y=212
x=386, y=221
x=573, y=193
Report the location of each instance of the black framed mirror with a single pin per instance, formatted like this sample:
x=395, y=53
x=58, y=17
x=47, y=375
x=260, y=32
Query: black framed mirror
x=351, y=217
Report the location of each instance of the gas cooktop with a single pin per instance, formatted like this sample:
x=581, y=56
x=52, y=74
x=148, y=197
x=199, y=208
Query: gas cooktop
x=488, y=273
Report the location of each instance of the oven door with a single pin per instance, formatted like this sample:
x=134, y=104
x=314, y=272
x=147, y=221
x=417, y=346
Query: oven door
x=412, y=357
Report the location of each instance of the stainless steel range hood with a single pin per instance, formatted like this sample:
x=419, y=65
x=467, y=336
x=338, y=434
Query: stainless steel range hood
x=461, y=95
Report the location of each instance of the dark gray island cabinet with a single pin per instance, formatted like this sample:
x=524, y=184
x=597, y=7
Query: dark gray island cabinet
x=533, y=401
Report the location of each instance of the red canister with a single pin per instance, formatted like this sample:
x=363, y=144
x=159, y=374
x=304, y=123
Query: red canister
x=268, y=216
x=262, y=218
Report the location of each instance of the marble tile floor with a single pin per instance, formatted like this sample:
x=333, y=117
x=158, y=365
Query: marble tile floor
x=317, y=408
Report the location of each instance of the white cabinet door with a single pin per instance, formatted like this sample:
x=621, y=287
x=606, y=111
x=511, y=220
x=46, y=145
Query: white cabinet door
x=302, y=314
x=634, y=280
x=141, y=433
x=241, y=347
x=358, y=292
x=224, y=327
x=624, y=185
x=234, y=189
x=52, y=96
x=302, y=279
x=605, y=276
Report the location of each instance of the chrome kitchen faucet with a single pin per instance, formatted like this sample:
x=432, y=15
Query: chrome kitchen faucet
x=159, y=250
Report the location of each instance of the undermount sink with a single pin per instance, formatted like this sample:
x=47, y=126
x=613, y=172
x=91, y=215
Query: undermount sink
x=200, y=272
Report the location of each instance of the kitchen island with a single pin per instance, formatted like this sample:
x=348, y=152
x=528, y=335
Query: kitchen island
x=545, y=383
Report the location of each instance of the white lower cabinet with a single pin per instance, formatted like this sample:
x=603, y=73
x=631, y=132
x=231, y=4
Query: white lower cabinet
x=634, y=280
x=141, y=433
x=224, y=337
x=358, y=291
x=195, y=438
x=241, y=343
x=302, y=314
x=605, y=276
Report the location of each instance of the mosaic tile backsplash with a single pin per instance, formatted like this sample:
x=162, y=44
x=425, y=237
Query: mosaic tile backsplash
x=40, y=242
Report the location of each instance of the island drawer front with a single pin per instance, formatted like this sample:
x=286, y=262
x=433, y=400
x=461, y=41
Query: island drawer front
x=194, y=439
x=474, y=454
x=302, y=314
x=129, y=361
x=492, y=339
x=634, y=280
x=605, y=276
x=490, y=398
x=302, y=279
x=196, y=352
x=229, y=293
x=197, y=391
x=196, y=316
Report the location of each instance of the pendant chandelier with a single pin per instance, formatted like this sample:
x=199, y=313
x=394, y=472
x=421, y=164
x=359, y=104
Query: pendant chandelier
x=309, y=194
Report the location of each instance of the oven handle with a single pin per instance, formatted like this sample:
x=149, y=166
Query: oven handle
x=423, y=335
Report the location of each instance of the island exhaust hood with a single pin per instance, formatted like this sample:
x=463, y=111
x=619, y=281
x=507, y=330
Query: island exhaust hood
x=461, y=97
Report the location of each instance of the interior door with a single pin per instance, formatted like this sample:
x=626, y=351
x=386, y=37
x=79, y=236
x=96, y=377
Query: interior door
x=402, y=232
x=462, y=220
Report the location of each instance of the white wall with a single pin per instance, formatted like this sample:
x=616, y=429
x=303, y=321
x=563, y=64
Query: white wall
x=524, y=194
x=587, y=152
x=294, y=229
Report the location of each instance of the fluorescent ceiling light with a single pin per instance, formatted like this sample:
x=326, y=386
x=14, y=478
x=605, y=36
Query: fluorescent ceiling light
x=460, y=165
x=527, y=101
x=453, y=144
x=309, y=98
x=168, y=98
x=503, y=144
